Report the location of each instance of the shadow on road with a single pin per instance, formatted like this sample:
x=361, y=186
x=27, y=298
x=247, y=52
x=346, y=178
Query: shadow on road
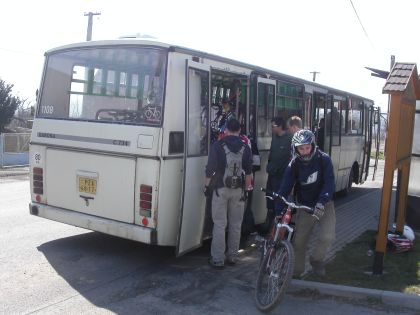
x=110, y=272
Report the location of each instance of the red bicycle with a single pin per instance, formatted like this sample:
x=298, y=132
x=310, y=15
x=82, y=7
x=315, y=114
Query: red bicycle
x=278, y=257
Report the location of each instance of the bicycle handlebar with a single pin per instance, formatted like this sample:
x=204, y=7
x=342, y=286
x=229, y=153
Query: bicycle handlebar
x=273, y=195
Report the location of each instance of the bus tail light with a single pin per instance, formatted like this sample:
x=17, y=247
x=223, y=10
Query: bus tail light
x=38, y=182
x=146, y=193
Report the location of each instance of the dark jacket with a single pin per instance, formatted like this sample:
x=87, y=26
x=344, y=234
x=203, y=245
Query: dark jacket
x=315, y=180
x=280, y=155
x=216, y=163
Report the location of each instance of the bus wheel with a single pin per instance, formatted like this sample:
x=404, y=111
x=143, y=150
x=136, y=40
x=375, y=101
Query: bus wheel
x=347, y=190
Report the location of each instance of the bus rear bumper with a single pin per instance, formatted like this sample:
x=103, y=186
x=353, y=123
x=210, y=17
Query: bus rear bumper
x=90, y=222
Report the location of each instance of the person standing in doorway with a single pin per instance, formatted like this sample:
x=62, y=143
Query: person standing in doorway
x=320, y=134
x=228, y=160
x=278, y=159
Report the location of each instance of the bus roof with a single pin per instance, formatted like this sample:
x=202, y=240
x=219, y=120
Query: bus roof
x=155, y=43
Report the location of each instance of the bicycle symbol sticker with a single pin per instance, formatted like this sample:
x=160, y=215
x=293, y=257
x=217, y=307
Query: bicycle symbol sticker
x=152, y=113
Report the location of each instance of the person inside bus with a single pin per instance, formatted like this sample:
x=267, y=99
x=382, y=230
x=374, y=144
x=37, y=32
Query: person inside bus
x=278, y=159
x=311, y=174
x=228, y=112
x=333, y=120
x=224, y=182
x=320, y=134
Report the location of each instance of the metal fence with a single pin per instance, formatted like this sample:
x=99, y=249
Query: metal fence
x=14, y=149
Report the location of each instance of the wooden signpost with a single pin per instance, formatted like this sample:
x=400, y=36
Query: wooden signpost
x=403, y=87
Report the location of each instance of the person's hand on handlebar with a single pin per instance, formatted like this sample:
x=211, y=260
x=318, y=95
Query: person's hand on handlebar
x=319, y=210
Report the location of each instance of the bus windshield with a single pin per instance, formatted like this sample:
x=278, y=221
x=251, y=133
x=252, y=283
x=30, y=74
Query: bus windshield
x=113, y=85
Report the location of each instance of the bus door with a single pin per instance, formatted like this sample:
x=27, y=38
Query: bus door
x=368, y=125
x=265, y=100
x=196, y=139
x=319, y=108
x=333, y=121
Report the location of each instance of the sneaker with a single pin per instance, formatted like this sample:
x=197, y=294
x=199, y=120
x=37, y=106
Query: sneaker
x=216, y=264
x=231, y=261
x=318, y=268
x=259, y=238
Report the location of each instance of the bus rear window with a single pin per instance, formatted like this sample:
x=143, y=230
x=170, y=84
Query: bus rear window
x=115, y=85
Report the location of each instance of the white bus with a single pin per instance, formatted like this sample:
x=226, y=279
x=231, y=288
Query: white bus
x=123, y=129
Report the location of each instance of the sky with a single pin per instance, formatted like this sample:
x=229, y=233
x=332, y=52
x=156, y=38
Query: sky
x=293, y=37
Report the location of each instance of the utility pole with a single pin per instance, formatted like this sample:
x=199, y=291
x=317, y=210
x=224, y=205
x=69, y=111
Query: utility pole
x=314, y=73
x=90, y=22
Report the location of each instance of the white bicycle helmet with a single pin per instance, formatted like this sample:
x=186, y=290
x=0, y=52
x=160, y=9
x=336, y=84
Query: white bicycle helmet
x=408, y=232
x=401, y=243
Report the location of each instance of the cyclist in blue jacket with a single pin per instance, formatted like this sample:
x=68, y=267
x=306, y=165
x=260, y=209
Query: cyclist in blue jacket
x=311, y=174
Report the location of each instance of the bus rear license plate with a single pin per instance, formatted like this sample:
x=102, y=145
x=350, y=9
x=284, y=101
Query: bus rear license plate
x=87, y=185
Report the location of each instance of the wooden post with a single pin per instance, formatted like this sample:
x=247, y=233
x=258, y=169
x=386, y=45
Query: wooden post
x=390, y=157
x=402, y=204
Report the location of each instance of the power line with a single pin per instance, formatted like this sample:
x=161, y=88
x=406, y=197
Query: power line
x=361, y=24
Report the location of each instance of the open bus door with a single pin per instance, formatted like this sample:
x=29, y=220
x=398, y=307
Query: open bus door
x=377, y=126
x=367, y=131
x=265, y=101
x=371, y=129
x=196, y=137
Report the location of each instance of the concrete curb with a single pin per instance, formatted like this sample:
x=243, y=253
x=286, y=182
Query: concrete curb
x=386, y=297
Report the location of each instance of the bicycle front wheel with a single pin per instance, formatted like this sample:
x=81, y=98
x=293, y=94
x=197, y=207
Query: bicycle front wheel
x=274, y=275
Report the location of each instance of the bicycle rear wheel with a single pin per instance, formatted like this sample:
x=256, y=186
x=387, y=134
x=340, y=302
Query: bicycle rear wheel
x=274, y=275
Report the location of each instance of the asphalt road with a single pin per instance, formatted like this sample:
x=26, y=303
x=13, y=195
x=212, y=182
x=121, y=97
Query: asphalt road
x=52, y=268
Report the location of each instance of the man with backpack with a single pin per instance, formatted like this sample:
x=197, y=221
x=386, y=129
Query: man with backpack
x=228, y=160
x=311, y=174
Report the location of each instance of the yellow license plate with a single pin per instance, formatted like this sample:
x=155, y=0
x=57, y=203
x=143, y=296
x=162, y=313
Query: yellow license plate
x=87, y=185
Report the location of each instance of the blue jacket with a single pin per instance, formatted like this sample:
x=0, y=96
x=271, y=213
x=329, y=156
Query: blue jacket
x=314, y=181
x=216, y=163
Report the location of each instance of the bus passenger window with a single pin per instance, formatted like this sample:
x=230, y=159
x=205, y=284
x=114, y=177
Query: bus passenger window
x=354, y=119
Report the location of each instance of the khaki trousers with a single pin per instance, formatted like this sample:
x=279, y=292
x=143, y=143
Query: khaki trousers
x=304, y=226
x=227, y=210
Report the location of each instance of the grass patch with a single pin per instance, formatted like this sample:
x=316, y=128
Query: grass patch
x=381, y=155
x=353, y=267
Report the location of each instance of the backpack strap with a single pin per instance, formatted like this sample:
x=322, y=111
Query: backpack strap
x=226, y=149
